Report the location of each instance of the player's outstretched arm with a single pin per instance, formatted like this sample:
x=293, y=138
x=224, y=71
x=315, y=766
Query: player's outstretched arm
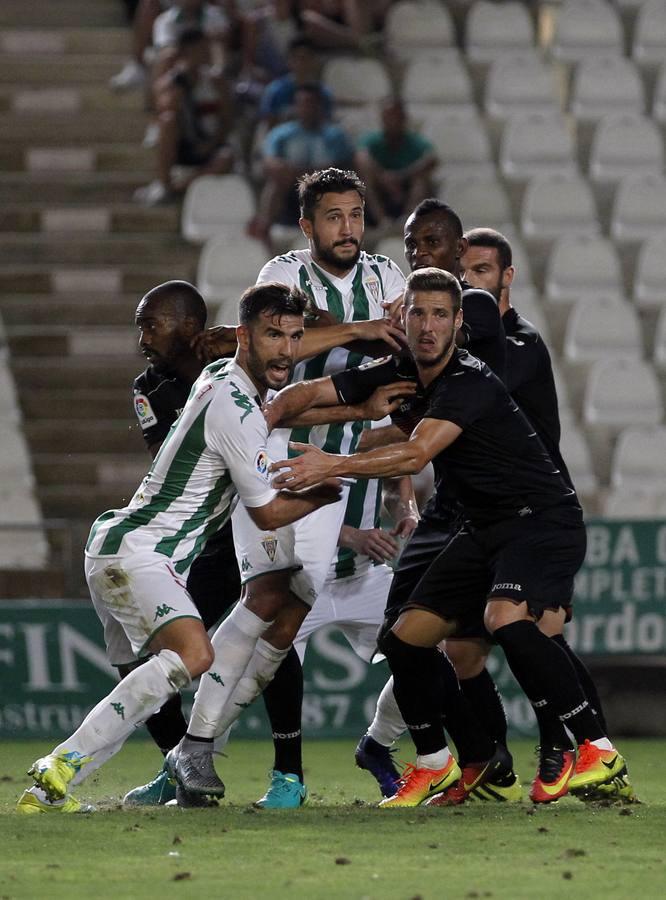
x=288, y=506
x=313, y=466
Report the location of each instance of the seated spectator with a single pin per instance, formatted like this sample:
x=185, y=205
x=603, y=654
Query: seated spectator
x=277, y=101
x=268, y=30
x=135, y=71
x=290, y=150
x=194, y=119
x=344, y=24
x=396, y=165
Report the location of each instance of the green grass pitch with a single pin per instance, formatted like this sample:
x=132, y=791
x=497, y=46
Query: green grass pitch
x=339, y=846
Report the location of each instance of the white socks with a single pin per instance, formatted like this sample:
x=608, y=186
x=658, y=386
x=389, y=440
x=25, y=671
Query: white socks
x=234, y=643
x=133, y=700
x=387, y=725
x=434, y=761
x=259, y=672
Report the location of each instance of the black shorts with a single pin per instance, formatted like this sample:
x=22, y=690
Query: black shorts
x=532, y=559
x=214, y=580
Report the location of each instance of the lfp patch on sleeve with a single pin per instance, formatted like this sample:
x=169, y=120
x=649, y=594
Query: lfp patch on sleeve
x=144, y=411
x=261, y=464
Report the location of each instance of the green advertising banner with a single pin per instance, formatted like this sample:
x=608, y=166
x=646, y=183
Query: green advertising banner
x=53, y=667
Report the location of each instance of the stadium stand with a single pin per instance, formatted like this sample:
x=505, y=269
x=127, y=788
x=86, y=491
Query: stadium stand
x=537, y=112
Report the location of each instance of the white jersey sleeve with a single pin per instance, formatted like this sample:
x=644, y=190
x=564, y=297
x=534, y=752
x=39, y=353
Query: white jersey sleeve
x=236, y=429
x=278, y=269
x=394, y=281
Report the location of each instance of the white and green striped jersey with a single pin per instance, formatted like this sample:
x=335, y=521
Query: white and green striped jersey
x=355, y=297
x=214, y=453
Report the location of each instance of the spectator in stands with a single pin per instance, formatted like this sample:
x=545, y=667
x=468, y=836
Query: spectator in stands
x=134, y=73
x=396, y=165
x=194, y=120
x=268, y=30
x=293, y=148
x=340, y=24
x=278, y=99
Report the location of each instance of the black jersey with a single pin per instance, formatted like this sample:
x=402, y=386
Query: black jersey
x=498, y=467
x=483, y=329
x=158, y=401
x=531, y=382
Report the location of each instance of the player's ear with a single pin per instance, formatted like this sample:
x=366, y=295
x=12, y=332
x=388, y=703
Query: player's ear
x=306, y=227
x=461, y=249
x=243, y=337
x=508, y=276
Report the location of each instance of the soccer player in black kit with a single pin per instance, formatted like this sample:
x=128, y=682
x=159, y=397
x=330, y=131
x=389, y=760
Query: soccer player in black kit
x=488, y=264
x=522, y=542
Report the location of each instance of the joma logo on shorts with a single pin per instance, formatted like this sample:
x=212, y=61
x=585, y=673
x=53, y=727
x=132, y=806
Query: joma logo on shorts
x=507, y=586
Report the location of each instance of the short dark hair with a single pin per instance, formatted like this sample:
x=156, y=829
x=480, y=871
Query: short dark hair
x=273, y=298
x=312, y=187
x=432, y=279
x=432, y=205
x=183, y=298
x=488, y=237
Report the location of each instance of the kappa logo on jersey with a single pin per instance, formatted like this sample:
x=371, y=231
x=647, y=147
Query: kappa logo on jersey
x=243, y=402
x=245, y=565
x=270, y=545
x=261, y=463
x=144, y=411
x=373, y=286
x=162, y=611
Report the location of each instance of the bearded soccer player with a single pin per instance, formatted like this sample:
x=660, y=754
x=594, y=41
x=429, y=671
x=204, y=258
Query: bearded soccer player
x=138, y=558
x=522, y=542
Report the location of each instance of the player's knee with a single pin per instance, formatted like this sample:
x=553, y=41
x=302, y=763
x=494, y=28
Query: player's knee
x=468, y=659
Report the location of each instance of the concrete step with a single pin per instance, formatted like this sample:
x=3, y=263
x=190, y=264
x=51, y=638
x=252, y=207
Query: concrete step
x=60, y=340
x=127, y=278
x=75, y=372
x=82, y=309
x=60, y=501
x=76, y=404
x=72, y=188
x=120, y=218
x=76, y=436
x=49, y=130
x=59, y=161
x=61, y=13
x=96, y=249
x=90, y=468
x=17, y=584
x=37, y=42
x=66, y=99
x=70, y=69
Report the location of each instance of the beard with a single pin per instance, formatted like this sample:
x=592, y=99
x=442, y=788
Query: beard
x=431, y=362
x=259, y=370
x=328, y=254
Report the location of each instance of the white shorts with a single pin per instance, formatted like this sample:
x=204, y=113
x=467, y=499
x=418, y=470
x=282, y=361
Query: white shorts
x=135, y=596
x=306, y=547
x=355, y=605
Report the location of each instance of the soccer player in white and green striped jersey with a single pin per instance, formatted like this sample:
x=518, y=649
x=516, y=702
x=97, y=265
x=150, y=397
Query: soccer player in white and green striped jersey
x=137, y=558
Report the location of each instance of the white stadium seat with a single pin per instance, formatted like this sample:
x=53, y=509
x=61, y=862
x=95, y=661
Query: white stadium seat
x=521, y=83
x=659, y=100
x=582, y=267
x=479, y=200
x=353, y=80
x=639, y=207
x=226, y=267
x=415, y=27
x=630, y=503
x=659, y=352
x=600, y=328
x=649, y=44
x=494, y=29
x=604, y=85
x=557, y=204
x=650, y=277
x=624, y=144
x=639, y=459
x=440, y=80
x=584, y=28
x=461, y=142
x=216, y=203
x=536, y=143
x=394, y=248
x=622, y=392
x=576, y=454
